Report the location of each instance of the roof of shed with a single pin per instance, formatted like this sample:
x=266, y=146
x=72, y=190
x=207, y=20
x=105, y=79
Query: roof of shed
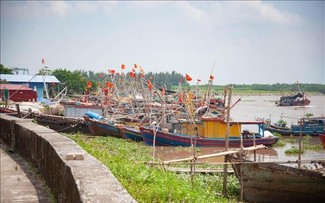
x=14, y=87
x=29, y=78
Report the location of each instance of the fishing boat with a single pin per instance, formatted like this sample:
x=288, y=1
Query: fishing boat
x=273, y=182
x=99, y=126
x=208, y=132
x=313, y=126
x=322, y=139
x=132, y=133
x=297, y=99
x=293, y=100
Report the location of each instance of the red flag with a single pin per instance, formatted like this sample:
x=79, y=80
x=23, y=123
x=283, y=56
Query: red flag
x=123, y=66
x=89, y=84
x=111, y=71
x=132, y=74
x=43, y=61
x=188, y=78
x=109, y=85
x=149, y=85
x=211, y=77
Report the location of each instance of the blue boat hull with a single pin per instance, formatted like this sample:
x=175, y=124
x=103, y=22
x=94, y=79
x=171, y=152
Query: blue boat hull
x=172, y=139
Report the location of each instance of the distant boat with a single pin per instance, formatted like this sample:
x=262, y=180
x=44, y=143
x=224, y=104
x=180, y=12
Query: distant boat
x=298, y=99
x=212, y=133
x=293, y=100
x=310, y=126
x=271, y=182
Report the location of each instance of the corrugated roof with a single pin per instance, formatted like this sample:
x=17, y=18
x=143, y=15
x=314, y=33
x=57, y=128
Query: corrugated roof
x=29, y=78
x=14, y=87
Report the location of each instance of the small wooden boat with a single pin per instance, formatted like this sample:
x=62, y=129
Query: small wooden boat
x=322, y=139
x=309, y=126
x=131, y=133
x=61, y=123
x=271, y=182
x=101, y=127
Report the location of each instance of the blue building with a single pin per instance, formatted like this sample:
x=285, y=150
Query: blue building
x=36, y=82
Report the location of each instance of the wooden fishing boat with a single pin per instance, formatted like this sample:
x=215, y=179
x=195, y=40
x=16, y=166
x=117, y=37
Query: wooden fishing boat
x=99, y=126
x=131, y=133
x=207, y=133
x=322, y=139
x=272, y=182
x=293, y=100
x=309, y=126
x=298, y=99
x=61, y=123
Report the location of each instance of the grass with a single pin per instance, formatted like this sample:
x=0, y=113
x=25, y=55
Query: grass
x=126, y=160
x=294, y=150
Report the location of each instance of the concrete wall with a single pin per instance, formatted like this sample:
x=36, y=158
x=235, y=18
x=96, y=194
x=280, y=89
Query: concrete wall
x=70, y=180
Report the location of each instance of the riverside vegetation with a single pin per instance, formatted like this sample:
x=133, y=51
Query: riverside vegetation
x=126, y=160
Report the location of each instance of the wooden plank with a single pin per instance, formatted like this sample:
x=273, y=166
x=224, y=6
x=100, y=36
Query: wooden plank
x=188, y=170
x=223, y=153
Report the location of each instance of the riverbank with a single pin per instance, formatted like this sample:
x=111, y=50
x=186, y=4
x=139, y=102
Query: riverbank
x=126, y=160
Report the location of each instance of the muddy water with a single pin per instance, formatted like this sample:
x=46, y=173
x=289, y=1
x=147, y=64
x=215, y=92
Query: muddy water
x=263, y=107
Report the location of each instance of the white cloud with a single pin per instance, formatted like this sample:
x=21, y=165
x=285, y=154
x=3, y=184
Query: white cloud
x=192, y=11
x=86, y=7
x=270, y=13
x=59, y=8
x=248, y=12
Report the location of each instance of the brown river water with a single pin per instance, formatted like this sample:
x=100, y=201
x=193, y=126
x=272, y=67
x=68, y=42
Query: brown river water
x=260, y=107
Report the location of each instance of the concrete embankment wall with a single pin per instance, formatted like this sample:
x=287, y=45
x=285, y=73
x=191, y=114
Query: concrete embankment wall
x=71, y=173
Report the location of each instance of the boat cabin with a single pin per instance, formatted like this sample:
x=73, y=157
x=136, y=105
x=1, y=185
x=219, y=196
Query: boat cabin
x=217, y=128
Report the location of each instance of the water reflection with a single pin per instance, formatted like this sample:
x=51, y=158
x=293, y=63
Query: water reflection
x=268, y=154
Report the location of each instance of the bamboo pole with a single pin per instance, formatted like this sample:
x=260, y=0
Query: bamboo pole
x=227, y=144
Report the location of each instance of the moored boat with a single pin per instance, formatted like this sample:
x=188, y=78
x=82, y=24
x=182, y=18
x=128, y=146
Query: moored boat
x=98, y=126
x=131, y=133
x=208, y=133
x=308, y=126
x=272, y=182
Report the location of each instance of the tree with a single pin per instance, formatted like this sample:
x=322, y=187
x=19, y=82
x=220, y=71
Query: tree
x=4, y=70
x=75, y=81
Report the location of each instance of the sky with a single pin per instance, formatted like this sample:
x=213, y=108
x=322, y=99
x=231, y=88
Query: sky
x=238, y=42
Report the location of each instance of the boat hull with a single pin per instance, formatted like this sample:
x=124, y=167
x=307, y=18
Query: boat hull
x=172, y=139
x=97, y=127
x=130, y=133
x=270, y=182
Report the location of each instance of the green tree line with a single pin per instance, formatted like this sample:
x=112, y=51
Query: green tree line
x=77, y=81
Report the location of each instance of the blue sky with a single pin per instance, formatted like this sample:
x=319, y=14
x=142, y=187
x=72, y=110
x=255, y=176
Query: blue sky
x=239, y=42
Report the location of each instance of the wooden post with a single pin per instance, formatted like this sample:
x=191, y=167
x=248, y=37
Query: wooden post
x=18, y=111
x=301, y=121
x=225, y=173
